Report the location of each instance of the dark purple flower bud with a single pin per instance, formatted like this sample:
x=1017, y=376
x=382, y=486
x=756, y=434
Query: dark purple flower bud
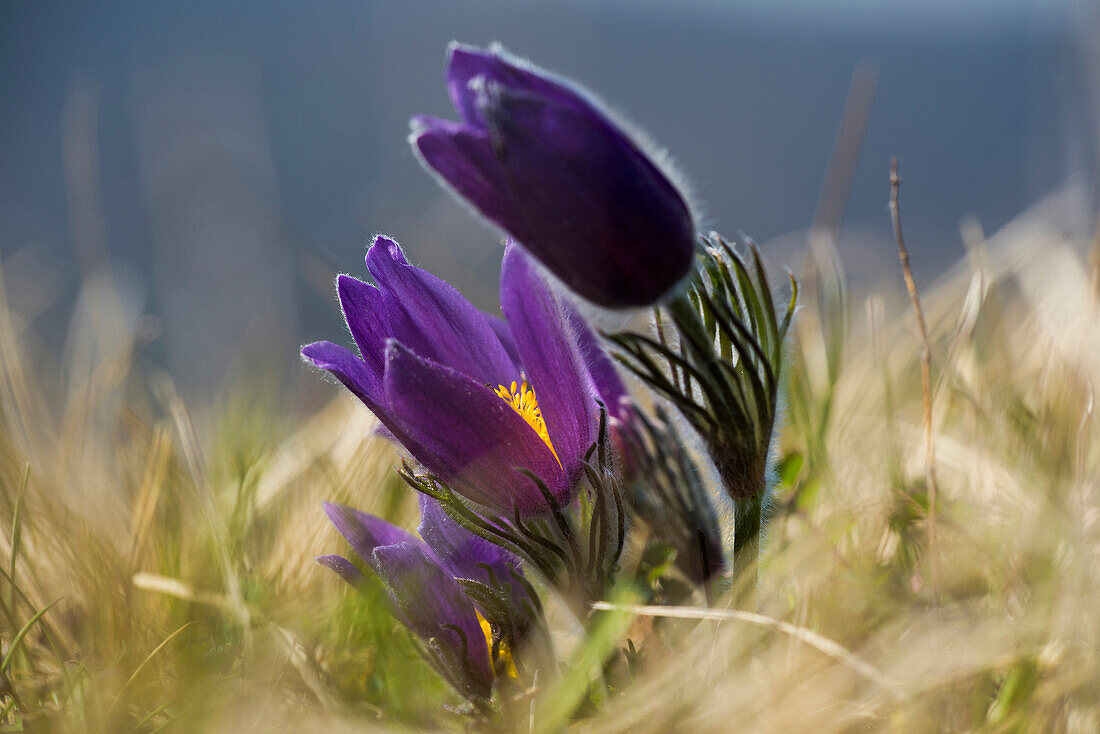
x=541, y=159
x=420, y=581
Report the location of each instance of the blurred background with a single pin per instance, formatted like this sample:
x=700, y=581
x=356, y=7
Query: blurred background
x=214, y=165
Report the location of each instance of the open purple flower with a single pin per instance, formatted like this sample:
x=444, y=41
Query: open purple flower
x=438, y=376
x=536, y=156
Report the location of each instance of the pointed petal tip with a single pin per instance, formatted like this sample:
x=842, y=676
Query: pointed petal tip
x=425, y=130
x=351, y=290
x=334, y=509
x=319, y=354
x=420, y=133
x=493, y=52
x=395, y=349
x=330, y=560
x=457, y=50
x=386, y=244
x=336, y=359
x=365, y=532
x=423, y=125
x=455, y=46
x=383, y=255
x=344, y=281
x=344, y=568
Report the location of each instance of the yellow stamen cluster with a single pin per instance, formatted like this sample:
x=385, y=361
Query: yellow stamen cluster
x=522, y=399
x=503, y=665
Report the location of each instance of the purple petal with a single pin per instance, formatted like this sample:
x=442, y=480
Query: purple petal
x=431, y=318
x=464, y=555
x=351, y=371
x=463, y=159
x=359, y=379
x=609, y=385
x=344, y=568
x=468, y=436
x=587, y=202
x=366, y=317
x=500, y=326
x=550, y=359
x=366, y=532
x=426, y=599
x=460, y=552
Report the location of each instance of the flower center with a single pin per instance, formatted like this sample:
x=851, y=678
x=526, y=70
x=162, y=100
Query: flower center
x=522, y=399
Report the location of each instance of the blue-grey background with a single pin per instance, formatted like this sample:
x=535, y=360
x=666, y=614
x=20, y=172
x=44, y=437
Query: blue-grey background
x=223, y=160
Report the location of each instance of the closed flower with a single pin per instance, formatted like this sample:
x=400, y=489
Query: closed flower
x=539, y=158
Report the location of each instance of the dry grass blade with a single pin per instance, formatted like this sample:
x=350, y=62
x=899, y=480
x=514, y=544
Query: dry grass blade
x=846, y=149
x=823, y=644
x=184, y=591
x=17, y=530
x=137, y=671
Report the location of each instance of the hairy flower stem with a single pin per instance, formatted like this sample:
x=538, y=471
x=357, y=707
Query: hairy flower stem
x=737, y=442
x=721, y=369
x=749, y=520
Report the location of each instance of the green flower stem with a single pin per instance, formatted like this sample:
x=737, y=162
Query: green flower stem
x=749, y=519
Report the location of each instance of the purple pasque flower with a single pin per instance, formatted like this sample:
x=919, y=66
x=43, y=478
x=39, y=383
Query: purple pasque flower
x=425, y=596
x=538, y=157
x=421, y=577
x=438, y=376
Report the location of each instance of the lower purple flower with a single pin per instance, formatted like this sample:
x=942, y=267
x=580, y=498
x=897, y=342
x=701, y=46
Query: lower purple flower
x=473, y=400
x=421, y=577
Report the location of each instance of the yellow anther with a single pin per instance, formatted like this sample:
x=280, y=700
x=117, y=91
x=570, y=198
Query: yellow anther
x=522, y=400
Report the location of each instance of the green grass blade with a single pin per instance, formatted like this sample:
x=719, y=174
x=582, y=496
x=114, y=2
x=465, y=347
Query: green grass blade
x=6, y=662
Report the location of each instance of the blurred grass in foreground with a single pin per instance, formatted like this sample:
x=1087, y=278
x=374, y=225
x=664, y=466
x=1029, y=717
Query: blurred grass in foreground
x=158, y=570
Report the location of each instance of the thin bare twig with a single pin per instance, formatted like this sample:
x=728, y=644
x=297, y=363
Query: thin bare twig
x=925, y=374
x=1094, y=261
